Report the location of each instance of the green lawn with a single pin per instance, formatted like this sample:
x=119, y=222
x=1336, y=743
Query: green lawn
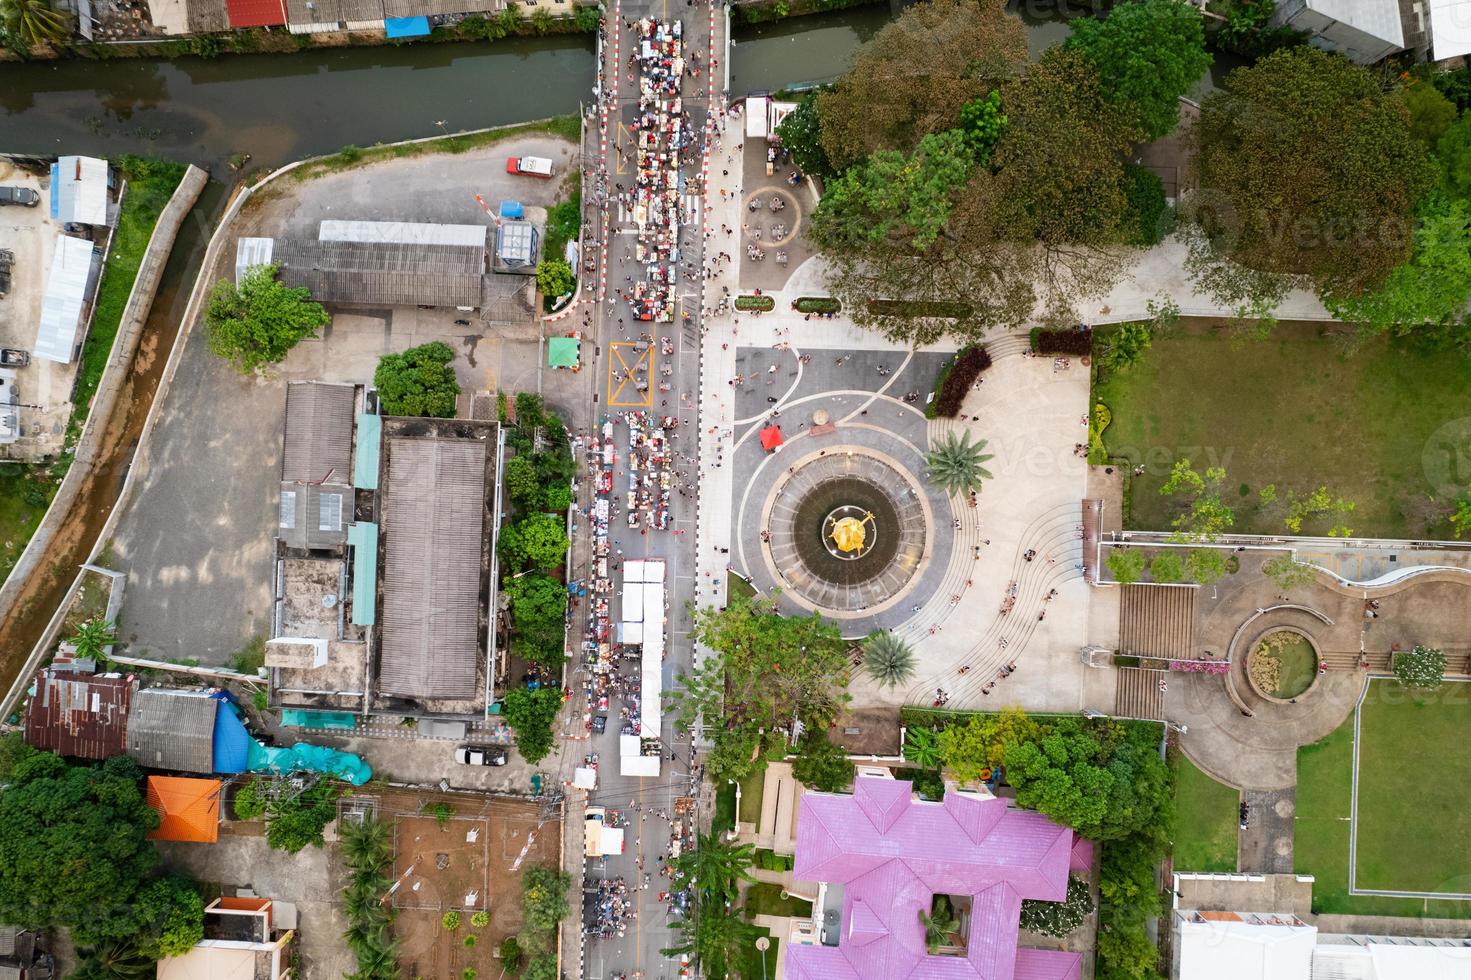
x=25, y=492
x=764, y=898
x=1205, y=820
x=752, y=788
x=725, y=808
x=1293, y=411
x=1408, y=765
x=749, y=965
x=737, y=586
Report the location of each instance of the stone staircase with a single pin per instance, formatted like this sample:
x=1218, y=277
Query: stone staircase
x=1137, y=693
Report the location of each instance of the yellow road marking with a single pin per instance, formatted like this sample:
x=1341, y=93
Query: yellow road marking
x=619, y=363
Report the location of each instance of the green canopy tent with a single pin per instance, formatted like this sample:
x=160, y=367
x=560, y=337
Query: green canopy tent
x=564, y=352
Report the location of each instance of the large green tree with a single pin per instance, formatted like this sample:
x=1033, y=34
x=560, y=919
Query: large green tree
x=170, y=916
x=911, y=79
x=538, y=540
x=532, y=714
x=544, y=897
x=801, y=136
x=419, y=381
x=1147, y=54
x=1308, y=170
x=258, y=321
x=956, y=465
x=821, y=765
x=538, y=616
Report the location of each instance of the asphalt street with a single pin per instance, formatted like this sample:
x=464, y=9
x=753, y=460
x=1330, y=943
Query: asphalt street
x=630, y=366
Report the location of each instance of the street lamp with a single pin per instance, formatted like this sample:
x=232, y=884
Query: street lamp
x=762, y=945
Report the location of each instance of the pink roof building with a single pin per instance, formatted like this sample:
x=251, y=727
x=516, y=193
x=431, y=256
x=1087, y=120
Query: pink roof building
x=892, y=853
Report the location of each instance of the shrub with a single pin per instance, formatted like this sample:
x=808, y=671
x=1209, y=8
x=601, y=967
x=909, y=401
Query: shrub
x=249, y=805
x=510, y=951
x=1059, y=918
x=480, y=919
x=1422, y=668
x=957, y=378
x=1126, y=564
x=442, y=812
x=817, y=304
x=450, y=920
x=1147, y=215
x=1077, y=341
x=761, y=304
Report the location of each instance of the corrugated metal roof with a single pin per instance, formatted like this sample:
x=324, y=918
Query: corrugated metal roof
x=403, y=233
x=318, y=442
x=386, y=274
x=255, y=13
x=314, y=517
x=363, y=537
x=433, y=529
x=61, y=304
x=207, y=16
x=79, y=715
x=414, y=8
x=369, y=445
x=169, y=729
x=251, y=252
x=188, y=809
x=79, y=190
x=515, y=243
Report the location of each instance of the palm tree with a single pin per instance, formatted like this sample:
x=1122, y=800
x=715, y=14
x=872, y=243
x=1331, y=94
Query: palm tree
x=717, y=867
x=955, y=464
x=714, y=937
x=118, y=960
x=889, y=660
x=93, y=638
x=35, y=22
x=939, y=925
x=922, y=747
x=365, y=845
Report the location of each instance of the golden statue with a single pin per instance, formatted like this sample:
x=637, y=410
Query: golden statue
x=848, y=533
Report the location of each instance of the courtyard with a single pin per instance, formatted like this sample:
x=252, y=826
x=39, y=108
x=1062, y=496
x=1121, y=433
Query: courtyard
x=1385, y=427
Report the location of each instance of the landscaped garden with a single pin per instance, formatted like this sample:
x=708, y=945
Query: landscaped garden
x=1283, y=665
x=1412, y=822
x=1293, y=413
x=1205, y=820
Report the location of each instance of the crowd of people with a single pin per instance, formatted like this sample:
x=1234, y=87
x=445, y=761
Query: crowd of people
x=661, y=131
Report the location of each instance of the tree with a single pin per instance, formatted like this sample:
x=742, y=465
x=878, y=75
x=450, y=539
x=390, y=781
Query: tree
x=35, y=22
x=532, y=714
x=1289, y=573
x=1431, y=289
x=982, y=124
x=1167, y=567
x=73, y=845
x=1431, y=113
x=1147, y=54
x=713, y=938
x=887, y=658
x=821, y=765
x=922, y=747
x=249, y=804
x=1205, y=565
x=1461, y=517
x=119, y=959
x=510, y=957
x=1421, y=669
x=419, y=381
x=1147, y=215
x=1206, y=516
x=544, y=897
x=258, y=321
x=1453, y=150
x=1318, y=503
x=298, y=821
x=1126, y=565
x=1059, y=918
x=93, y=637
x=541, y=968
x=904, y=84
x=555, y=277
x=982, y=742
x=766, y=670
x=800, y=133
x=1125, y=345
x=522, y=483
x=170, y=917
x=939, y=923
x=538, y=618
x=537, y=539
x=954, y=465
x=1307, y=169
x=716, y=867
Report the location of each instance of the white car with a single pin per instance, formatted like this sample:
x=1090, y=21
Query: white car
x=480, y=755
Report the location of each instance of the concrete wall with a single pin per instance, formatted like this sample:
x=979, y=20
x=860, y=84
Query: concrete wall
x=89, y=449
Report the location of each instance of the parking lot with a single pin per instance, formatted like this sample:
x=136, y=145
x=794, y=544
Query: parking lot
x=30, y=237
x=196, y=538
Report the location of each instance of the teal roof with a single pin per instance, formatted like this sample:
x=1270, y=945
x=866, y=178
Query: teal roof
x=563, y=352
x=365, y=464
x=363, y=537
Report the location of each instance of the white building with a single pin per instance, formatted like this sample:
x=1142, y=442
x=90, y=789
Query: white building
x=79, y=190
x=1364, y=31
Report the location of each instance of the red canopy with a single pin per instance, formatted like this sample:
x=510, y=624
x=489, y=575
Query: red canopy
x=771, y=438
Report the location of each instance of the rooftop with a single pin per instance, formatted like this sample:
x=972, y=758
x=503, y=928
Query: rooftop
x=383, y=273
x=80, y=715
x=894, y=853
x=188, y=809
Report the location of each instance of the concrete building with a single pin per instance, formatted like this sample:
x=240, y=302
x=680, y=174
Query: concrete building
x=245, y=938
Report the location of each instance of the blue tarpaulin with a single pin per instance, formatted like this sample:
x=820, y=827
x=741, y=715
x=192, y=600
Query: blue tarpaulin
x=231, y=740
x=407, y=26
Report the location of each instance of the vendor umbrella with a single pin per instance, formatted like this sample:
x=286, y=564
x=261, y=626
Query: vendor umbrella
x=771, y=438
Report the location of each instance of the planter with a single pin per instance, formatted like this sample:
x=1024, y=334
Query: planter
x=1282, y=664
x=760, y=304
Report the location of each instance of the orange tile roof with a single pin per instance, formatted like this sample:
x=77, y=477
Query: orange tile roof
x=188, y=809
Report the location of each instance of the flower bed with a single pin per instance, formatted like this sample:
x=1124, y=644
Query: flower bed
x=817, y=304
x=1078, y=342
x=760, y=304
x=956, y=378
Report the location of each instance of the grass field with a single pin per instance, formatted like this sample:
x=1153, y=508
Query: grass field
x=1205, y=820
x=25, y=492
x=1324, y=802
x=1293, y=411
x=764, y=898
x=749, y=965
x=753, y=787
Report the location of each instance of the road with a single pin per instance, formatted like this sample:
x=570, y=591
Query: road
x=630, y=363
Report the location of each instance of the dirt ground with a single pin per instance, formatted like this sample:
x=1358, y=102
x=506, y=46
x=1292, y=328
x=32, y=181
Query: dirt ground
x=468, y=864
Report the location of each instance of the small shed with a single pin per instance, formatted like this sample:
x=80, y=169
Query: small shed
x=188, y=808
x=62, y=302
x=80, y=715
x=79, y=190
x=516, y=245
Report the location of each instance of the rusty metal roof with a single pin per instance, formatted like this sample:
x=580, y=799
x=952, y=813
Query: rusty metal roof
x=84, y=716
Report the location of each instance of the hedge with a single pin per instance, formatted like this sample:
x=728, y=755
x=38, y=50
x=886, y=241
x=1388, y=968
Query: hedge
x=955, y=379
x=918, y=308
x=1078, y=341
x=817, y=304
x=763, y=304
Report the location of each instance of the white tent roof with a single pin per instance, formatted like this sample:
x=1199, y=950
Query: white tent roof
x=61, y=304
x=1450, y=28
x=80, y=190
x=402, y=233
x=639, y=765
x=585, y=777
x=633, y=602
x=1377, y=18
x=1220, y=949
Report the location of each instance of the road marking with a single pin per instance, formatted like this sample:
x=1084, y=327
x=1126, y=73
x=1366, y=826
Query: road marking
x=618, y=361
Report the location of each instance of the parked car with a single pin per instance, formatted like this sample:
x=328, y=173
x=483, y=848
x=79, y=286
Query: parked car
x=480, y=755
x=13, y=358
x=24, y=196
x=530, y=166
x=599, y=724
